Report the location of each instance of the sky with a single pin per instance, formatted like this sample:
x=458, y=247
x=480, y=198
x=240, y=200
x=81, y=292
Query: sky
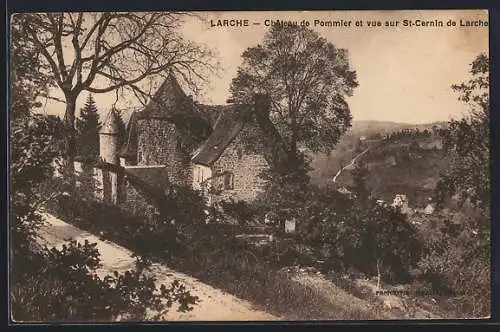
x=405, y=73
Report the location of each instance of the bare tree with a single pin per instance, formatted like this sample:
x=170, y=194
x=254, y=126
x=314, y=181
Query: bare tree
x=104, y=52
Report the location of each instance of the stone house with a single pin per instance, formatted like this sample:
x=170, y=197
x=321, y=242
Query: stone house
x=219, y=150
x=429, y=209
x=401, y=201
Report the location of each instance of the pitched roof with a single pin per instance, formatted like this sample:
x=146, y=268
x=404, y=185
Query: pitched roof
x=276, y=148
x=172, y=104
x=212, y=112
x=168, y=100
x=230, y=121
x=153, y=176
x=216, y=125
x=110, y=125
x=129, y=150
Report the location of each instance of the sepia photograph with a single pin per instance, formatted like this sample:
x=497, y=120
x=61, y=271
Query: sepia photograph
x=249, y=166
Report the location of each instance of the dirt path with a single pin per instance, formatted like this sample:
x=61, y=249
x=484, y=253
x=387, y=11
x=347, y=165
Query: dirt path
x=214, y=304
x=351, y=164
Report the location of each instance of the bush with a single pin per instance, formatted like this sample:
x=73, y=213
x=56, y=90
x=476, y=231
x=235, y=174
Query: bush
x=239, y=210
x=62, y=285
x=184, y=205
x=456, y=262
x=115, y=224
x=369, y=237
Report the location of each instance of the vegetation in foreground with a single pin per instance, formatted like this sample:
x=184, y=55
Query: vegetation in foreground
x=49, y=284
x=446, y=255
x=334, y=231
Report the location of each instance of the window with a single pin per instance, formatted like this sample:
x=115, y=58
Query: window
x=228, y=181
x=140, y=156
x=239, y=153
x=200, y=174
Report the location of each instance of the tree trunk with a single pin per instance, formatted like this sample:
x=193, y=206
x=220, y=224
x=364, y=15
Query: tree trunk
x=378, y=274
x=70, y=146
x=293, y=141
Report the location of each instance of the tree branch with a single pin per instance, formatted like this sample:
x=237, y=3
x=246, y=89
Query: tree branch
x=46, y=54
x=76, y=67
x=57, y=30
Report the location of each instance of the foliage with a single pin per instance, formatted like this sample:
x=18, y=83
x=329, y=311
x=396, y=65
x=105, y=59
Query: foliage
x=182, y=208
x=359, y=236
x=286, y=187
x=65, y=287
x=185, y=205
x=456, y=262
x=52, y=284
x=27, y=73
x=211, y=253
x=240, y=210
x=360, y=179
x=87, y=128
x=460, y=255
x=467, y=142
x=307, y=79
x=33, y=147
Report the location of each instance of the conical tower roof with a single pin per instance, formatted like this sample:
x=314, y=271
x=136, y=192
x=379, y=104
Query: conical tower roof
x=110, y=125
x=168, y=100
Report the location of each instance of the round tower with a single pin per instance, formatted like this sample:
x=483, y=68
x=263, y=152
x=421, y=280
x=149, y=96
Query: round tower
x=108, y=138
x=108, y=151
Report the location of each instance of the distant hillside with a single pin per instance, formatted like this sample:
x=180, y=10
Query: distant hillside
x=368, y=127
x=325, y=166
x=395, y=166
x=406, y=166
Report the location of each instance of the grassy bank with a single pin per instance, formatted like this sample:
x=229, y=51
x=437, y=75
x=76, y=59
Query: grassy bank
x=214, y=255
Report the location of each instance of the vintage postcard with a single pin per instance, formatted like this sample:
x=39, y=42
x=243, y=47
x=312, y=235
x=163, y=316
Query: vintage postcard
x=249, y=166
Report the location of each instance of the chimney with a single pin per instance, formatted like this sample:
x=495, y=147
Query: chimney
x=262, y=104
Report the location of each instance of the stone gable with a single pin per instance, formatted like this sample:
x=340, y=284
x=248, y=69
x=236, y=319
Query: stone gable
x=243, y=167
x=160, y=144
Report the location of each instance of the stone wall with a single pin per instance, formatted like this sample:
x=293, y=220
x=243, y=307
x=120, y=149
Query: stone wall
x=245, y=166
x=135, y=203
x=95, y=184
x=90, y=181
x=159, y=144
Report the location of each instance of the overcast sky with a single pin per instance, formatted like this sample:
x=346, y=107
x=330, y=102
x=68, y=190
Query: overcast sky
x=404, y=73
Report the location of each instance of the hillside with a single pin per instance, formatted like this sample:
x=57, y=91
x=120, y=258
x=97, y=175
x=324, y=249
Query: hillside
x=367, y=127
x=395, y=167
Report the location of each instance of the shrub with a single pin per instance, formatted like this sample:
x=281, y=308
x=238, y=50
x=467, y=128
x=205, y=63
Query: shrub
x=116, y=224
x=184, y=205
x=62, y=285
x=369, y=237
x=456, y=262
x=239, y=210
